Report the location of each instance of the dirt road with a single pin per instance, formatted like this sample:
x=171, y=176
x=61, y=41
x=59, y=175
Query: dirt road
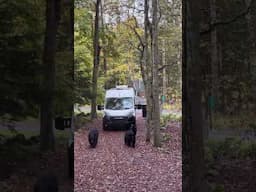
x=113, y=167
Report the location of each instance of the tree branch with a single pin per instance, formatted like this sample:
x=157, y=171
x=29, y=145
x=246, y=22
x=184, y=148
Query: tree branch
x=161, y=68
x=160, y=13
x=135, y=31
x=228, y=21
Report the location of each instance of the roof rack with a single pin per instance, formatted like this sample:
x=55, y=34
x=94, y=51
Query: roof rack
x=122, y=86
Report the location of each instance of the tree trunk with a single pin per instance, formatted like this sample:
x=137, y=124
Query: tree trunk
x=193, y=148
x=164, y=72
x=104, y=44
x=252, y=35
x=252, y=39
x=48, y=82
x=96, y=59
x=214, y=58
x=155, y=85
x=147, y=73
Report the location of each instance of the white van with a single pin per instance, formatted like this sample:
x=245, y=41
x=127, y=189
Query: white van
x=119, y=108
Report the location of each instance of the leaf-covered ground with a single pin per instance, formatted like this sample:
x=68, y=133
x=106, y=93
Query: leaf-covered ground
x=20, y=175
x=113, y=167
x=235, y=175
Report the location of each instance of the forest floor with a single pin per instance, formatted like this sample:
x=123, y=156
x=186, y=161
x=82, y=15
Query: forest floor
x=114, y=167
x=20, y=165
x=235, y=175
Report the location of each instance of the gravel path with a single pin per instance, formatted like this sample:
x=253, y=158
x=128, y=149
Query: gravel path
x=113, y=167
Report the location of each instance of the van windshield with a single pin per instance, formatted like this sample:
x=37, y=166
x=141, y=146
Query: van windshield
x=119, y=103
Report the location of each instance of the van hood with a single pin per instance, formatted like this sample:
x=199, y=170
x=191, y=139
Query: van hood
x=114, y=113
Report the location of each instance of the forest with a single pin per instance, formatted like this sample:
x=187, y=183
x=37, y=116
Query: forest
x=218, y=75
x=128, y=42
x=122, y=44
x=36, y=43
x=196, y=62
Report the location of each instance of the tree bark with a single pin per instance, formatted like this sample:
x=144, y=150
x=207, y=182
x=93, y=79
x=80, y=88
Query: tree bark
x=193, y=148
x=252, y=39
x=104, y=43
x=96, y=59
x=147, y=71
x=214, y=59
x=48, y=81
x=155, y=85
x=252, y=33
x=164, y=70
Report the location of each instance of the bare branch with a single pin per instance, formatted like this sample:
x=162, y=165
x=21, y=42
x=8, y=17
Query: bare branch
x=228, y=21
x=164, y=66
x=160, y=13
x=135, y=31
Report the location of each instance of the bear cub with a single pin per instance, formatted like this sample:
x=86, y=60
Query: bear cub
x=93, y=137
x=130, y=136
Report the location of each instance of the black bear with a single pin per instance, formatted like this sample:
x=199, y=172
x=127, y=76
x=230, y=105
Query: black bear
x=130, y=136
x=46, y=183
x=93, y=137
x=133, y=128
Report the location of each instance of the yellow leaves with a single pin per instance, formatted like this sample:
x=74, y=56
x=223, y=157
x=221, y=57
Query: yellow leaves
x=121, y=68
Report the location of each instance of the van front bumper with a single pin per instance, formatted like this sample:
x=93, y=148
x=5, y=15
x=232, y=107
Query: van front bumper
x=119, y=122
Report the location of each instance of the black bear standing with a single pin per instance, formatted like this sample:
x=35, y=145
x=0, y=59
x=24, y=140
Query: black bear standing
x=130, y=136
x=46, y=183
x=93, y=137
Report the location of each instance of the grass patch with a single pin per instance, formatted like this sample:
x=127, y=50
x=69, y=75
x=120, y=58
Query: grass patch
x=18, y=152
x=242, y=121
x=165, y=119
x=26, y=133
x=175, y=106
x=59, y=134
x=166, y=137
x=18, y=149
x=227, y=150
x=81, y=119
x=230, y=148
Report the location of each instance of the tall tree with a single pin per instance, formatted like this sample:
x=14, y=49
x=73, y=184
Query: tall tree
x=48, y=81
x=104, y=51
x=252, y=34
x=214, y=60
x=192, y=111
x=146, y=71
x=155, y=84
x=96, y=55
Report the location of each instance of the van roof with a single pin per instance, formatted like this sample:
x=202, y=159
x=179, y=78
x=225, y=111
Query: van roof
x=120, y=92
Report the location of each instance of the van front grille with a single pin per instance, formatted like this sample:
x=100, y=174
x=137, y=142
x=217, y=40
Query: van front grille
x=119, y=118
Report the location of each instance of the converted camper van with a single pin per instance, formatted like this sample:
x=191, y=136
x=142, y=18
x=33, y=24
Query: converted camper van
x=119, y=108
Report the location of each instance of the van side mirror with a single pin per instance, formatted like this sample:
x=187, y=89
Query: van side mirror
x=100, y=107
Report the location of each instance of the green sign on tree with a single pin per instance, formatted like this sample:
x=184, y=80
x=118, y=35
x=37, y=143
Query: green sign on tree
x=163, y=98
x=211, y=102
